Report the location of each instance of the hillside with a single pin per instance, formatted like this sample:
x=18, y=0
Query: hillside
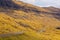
x=37, y=23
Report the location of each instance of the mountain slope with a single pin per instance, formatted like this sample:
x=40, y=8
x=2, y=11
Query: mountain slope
x=36, y=23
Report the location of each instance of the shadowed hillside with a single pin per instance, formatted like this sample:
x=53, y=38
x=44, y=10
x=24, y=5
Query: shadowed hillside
x=54, y=11
x=12, y=5
x=8, y=4
x=22, y=21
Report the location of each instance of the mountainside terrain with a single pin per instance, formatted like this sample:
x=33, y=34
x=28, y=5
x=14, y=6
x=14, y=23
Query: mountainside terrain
x=36, y=23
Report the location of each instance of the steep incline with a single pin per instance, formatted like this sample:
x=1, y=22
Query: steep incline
x=36, y=22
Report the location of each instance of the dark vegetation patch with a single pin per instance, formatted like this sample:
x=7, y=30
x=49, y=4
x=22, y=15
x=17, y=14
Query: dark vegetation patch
x=9, y=4
x=25, y=25
x=56, y=15
x=58, y=28
x=19, y=16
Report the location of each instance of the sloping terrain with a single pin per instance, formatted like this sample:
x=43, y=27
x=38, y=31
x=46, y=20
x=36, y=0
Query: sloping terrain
x=36, y=23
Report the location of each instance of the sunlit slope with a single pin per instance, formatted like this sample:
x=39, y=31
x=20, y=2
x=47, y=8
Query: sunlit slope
x=36, y=23
x=33, y=25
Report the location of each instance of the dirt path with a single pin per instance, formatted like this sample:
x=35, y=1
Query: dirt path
x=11, y=34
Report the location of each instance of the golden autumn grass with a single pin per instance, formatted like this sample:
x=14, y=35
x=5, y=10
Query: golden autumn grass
x=35, y=26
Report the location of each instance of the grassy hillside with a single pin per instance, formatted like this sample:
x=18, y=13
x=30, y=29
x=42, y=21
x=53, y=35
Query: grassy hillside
x=36, y=23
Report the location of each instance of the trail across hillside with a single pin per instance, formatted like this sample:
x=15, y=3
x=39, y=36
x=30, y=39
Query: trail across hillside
x=11, y=34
